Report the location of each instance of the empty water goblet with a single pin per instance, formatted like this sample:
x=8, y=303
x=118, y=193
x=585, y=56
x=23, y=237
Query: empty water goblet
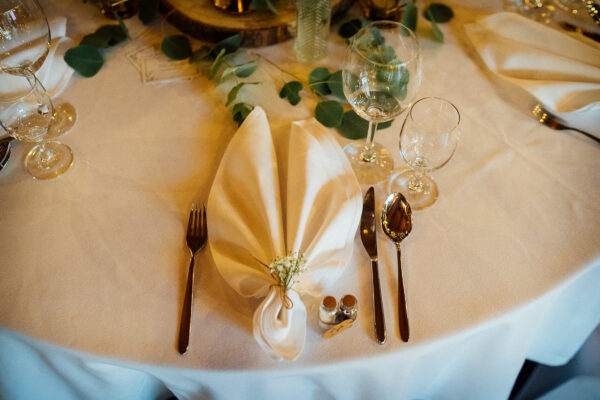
x=428, y=139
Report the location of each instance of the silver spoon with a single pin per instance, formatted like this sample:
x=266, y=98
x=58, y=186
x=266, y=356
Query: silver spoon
x=396, y=223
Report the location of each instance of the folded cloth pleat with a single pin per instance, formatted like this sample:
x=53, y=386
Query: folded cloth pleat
x=557, y=70
x=275, y=195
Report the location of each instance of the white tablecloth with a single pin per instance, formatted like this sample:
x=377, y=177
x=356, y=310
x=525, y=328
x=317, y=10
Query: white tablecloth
x=505, y=266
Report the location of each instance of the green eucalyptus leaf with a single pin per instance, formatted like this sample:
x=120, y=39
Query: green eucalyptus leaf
x=176, y=47
x=105, y=36
x=291, y=91
x=384, y=125
x=355, y=127
x=330, y=113
x=336, y=85
x=383, y=54
x=318, y=79
x=148, y=11
x=247, y=69
x=242, y=70
x=409, y=18
x=230, y=45
x=439, y=12
x=231, y=96
x=97, y=41
x=216, y=64
x=201, y=54
x=84, y=59
x=349, y=28
x=241, y=111
x=437, y=33
x=113, y=33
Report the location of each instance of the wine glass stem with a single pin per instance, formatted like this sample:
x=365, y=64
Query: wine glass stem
x=415, y=182
x=368, y=154
x=38, y=88
x=44, y=157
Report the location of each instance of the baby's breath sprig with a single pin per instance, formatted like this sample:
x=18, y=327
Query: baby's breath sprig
x=287, y=269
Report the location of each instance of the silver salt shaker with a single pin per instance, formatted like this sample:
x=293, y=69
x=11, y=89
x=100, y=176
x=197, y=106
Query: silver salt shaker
x=328, y=311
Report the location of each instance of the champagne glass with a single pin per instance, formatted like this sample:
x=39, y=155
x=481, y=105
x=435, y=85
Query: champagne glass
x=27, y=118
x=380, y=78
x=24, y=45
x=428, y=139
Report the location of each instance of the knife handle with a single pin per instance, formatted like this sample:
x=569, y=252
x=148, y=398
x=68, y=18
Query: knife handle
x=379, y=319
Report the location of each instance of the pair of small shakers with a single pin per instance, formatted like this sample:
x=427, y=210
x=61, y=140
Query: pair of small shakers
x=336, y=318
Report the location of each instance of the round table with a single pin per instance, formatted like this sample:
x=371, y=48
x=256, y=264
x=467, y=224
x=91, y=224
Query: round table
x=504, y=267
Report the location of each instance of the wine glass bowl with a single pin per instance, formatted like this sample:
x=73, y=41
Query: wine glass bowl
x=428, y=139
x=380, y=78
x=27, y=117
x=24, y=46
x=24, y=36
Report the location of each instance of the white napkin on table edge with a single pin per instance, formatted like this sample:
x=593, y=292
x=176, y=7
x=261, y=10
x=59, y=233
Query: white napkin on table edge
x=543, y=65
x=236, y=246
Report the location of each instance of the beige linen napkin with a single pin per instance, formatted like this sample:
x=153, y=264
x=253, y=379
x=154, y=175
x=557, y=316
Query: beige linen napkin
x=275, y=194
x=54, y=73
x=553, y=68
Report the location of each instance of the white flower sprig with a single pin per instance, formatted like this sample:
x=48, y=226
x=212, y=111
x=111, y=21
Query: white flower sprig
x=288, y=268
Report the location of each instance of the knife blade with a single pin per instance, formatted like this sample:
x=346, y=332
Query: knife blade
x=368, y=235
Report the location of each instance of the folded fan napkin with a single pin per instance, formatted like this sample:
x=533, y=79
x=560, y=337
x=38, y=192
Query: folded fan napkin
x=555, y=69
x=54, y=73
x=276, y=194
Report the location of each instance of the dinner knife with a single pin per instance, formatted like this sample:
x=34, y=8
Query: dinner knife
x=368, y=235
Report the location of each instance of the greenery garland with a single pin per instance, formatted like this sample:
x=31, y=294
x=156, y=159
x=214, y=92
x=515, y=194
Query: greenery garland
x=332, y=110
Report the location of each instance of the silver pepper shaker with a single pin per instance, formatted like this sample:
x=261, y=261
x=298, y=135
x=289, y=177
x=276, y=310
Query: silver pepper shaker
x=348, y=307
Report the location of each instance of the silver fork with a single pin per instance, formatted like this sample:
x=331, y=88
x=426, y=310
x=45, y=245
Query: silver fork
x=546, y=118
x=196, y=240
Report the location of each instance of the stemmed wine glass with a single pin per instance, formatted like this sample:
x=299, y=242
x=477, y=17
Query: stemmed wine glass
x=380, y=78
x=28, y=118
x=428, y=139
x=24, y=46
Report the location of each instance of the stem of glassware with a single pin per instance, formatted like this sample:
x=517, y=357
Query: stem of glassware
x=415, y=182
x=38, y=87
x=368, y=154
x=44, y=157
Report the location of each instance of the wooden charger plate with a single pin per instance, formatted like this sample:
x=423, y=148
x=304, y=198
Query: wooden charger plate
x=202, y=20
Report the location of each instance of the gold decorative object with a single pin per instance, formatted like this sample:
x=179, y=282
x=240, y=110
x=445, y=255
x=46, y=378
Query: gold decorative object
x=383, y=9
x=234, y=6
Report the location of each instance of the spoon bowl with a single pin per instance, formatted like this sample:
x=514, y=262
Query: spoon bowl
x=397, y=224
x=396, y=217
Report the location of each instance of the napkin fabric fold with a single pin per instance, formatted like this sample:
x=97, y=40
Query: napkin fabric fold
x=276, y=193
x=550, y=67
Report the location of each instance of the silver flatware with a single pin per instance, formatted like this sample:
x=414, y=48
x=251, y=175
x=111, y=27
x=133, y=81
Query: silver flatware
x=547, y=118
x=368, y=236
x=196, y=240
x=397, y=224
x=5, y=145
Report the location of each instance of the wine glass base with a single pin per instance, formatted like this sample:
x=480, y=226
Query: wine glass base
x=57, y=159
x=63, y=120
x=373, y=171
x=418, y=198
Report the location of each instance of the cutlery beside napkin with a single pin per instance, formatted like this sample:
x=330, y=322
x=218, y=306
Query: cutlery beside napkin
x=276, y=194
x=550, y=67
x=54, y=72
